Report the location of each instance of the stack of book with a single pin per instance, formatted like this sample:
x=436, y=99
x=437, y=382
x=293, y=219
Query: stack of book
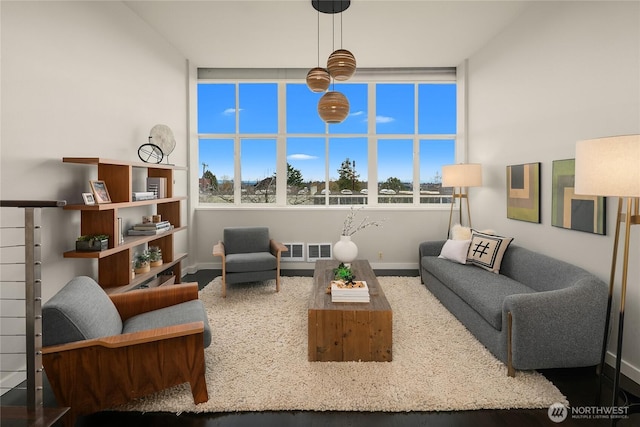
x=157, y=186
x=150, y=228
x=144, y=195
x=340, y=292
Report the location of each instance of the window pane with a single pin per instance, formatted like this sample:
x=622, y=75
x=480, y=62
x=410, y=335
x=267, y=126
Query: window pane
x=216, y=108
x=258, y=167
x=305, y=170
x=434, y=154
x=395, y=108
x=356, y=121
x=437, y=108
x=395, y=171
x=216, y=177
x=302, y=110
x=348, y=171
x=258, y=108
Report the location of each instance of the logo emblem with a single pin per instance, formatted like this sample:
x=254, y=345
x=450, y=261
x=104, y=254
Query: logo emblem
x=557, y=412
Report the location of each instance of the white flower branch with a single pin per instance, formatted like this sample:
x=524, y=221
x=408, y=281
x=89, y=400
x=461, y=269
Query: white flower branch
x=349, y=229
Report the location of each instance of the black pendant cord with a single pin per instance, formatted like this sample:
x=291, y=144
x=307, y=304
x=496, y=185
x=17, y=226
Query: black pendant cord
x=333, y=45
x=341, y=31
x=318, y=39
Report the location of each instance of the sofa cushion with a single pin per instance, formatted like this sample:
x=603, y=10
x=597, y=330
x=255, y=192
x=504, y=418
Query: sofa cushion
x=484, y=291
x=81, y=310
x=259, y=261
x=487, y=250
x=186, y=312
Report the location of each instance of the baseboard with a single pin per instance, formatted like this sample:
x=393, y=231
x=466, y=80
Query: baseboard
x=630, y=375
x=308, y=272
x=399, y=267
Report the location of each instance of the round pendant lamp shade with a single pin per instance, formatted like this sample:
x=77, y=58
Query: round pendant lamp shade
x=333, y=107
x=341, y=65
x=318, y=79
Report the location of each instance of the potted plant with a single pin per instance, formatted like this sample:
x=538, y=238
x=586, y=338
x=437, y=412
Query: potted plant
x=155, y=256
x=344, y=274
x=92, y=242
x=345, y=250
x=141, y=263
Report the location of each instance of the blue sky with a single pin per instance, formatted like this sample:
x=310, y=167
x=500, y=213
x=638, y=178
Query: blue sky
x=395, y=116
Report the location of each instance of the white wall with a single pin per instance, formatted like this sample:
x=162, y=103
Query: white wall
x=563, y=72
x=397, y=239
x=80, y=79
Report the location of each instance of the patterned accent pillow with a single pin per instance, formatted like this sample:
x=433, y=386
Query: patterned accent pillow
x=487, y=250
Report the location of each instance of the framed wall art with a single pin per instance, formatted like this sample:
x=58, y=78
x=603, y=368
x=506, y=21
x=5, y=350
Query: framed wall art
x=523, y=192
x=574, y=211
x=100, y=192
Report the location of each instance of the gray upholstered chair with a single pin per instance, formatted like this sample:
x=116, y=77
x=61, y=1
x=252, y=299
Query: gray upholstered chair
x=100, y=350
x=248, y=255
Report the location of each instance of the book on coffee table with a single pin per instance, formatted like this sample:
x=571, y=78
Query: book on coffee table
x=341, y=292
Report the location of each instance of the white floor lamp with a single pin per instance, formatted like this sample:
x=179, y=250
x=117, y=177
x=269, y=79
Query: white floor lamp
x=460, y=177
x=611, y=167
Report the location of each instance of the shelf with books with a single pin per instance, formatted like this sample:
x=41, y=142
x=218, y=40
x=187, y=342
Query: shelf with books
x=129, y=242
x=114, y=263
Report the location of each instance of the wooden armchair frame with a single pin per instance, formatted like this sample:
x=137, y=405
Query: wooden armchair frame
x=92, y=375
x=275, y=247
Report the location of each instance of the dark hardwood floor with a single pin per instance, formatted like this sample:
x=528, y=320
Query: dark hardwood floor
x=579, y=385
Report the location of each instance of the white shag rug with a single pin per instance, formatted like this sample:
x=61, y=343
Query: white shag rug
x=258, y=360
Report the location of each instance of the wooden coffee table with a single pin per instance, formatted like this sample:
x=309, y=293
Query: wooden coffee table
x=346, y=331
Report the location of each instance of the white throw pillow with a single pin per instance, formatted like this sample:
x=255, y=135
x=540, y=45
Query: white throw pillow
x=455, y=250
x=458, y=232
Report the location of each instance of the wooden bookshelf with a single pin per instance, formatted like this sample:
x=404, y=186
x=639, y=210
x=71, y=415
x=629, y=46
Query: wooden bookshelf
x=114, y=263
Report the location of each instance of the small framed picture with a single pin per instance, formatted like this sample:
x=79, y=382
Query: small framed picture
x=100, y=192
x=88, y=199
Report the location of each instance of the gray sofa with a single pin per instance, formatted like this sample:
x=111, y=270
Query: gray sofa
x=538, y=313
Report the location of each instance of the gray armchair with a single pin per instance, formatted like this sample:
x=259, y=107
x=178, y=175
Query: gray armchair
x=100, y=350
x=248, y=255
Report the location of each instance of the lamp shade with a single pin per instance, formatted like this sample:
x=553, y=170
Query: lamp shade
x=462, y=175
x=333, y=107
x=318, y=79
x=341, y=65
x=608, y=166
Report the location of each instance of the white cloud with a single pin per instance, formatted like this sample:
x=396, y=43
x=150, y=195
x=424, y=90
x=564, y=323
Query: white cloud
x=384, y=119
x=301, y=157
x=230, y=111
x=358, y=113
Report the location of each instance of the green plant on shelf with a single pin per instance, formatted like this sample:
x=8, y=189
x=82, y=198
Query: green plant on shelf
x=141, y=260
x=155, y=256
x=92, y=238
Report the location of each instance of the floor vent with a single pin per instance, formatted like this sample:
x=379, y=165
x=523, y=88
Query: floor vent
x=295, y=252
x=316, y=251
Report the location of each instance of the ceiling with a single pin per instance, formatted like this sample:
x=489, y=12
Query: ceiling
x=284, y=33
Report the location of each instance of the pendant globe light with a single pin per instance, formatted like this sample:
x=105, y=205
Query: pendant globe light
x=333, y=107
x=318, y=78
x=341, y=65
